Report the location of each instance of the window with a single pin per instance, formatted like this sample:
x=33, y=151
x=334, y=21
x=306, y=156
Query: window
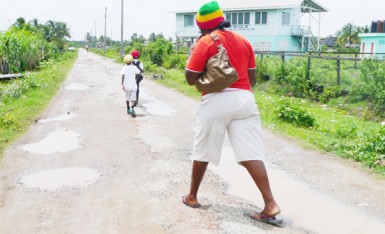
x=238, y=17
x=260, y=17
x=188, y=20
x=285, y=18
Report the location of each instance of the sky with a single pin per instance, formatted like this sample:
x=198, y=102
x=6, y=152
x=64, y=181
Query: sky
x=146, y=16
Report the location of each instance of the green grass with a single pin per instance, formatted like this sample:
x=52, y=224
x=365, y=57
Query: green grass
x=17, y=114
x=336, y=132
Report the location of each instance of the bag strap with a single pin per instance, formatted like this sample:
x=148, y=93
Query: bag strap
x=216, y=39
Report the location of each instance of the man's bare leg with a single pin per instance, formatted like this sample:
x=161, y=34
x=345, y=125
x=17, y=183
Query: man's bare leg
x=258, y=172
x=198, y=171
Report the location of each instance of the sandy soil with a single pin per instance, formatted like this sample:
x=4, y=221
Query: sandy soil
x=87, y=167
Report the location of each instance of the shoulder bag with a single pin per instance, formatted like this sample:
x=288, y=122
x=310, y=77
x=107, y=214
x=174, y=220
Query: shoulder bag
x=219, y=73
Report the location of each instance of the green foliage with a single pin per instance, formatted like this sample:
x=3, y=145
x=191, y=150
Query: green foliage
x=329, y=92
x=175, y=61
x=158, y=50
x=23, y=50
x=293, y=113
x=261, y=70
x=292, y=75
x=25, y=45
x=8, y=121
x=371, y=86
x=369, y=148
x=348, y=35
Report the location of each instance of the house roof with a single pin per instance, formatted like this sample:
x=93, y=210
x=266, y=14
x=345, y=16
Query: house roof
x=231, y=5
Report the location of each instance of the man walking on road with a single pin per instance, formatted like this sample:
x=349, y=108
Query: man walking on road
x=129, y=86
x=233, y=109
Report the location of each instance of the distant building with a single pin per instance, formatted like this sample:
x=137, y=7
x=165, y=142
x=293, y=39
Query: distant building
x=329, y=41
x=270, y=25
x=373, y=45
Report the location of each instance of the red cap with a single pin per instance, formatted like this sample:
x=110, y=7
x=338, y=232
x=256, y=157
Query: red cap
x=135, y=54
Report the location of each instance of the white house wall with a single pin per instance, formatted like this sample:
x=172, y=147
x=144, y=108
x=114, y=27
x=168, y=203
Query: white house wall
x=272, y=36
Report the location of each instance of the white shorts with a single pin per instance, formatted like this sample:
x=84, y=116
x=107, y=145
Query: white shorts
x=236, y=112
x=130, y=95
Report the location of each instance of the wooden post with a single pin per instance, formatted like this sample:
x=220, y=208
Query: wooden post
x=308, y=68
x=338, y=71
x=283, y=63
x=355, y=61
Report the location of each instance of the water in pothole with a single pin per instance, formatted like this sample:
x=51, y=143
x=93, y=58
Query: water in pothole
x=59, y=178
x=58, y=141
x=154, y=106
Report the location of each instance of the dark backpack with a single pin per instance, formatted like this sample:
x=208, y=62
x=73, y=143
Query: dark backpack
x=139, y=77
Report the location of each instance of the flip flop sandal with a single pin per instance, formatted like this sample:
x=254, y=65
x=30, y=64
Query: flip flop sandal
x=269, y=220
x=184, y=200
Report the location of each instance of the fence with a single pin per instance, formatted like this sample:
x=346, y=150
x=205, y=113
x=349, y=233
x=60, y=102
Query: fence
x=345, y=65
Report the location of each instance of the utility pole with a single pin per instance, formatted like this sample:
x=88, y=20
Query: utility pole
x=105, y=28
x=96, y=38
x=121, y=34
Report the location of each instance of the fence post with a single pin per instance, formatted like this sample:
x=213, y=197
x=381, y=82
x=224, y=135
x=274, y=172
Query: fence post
x=355, y=61
x=338, y=71
x=261, y=57
x=308, y=68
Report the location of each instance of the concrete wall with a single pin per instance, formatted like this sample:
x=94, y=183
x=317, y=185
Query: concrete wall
x=373, y=43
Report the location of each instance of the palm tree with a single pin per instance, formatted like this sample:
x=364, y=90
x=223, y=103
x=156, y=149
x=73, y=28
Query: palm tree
x=56, y=32
x=349, y=35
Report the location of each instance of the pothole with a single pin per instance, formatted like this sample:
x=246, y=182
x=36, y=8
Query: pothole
x=56, y=142
x=58, y=178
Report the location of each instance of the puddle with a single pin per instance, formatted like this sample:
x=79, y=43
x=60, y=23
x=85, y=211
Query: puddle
x=58, y=118
x=76, y=86
x=56, y=142
x=301, y=205
x=65, y=177
x=154, y=106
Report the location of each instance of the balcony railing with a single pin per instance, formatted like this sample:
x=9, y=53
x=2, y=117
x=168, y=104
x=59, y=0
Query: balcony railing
x=300, y=30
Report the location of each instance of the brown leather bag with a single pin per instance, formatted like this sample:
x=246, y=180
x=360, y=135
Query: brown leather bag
x=219, y=73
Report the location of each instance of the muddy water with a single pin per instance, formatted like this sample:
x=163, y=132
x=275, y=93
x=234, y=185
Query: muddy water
x=302, y=205
x=56, y=179
x=58, y=141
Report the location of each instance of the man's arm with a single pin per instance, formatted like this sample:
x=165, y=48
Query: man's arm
x=191, y=77
x=122, y=82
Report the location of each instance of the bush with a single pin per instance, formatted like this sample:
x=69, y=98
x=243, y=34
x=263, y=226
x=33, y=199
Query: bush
x=175, y=61
x=295, y=114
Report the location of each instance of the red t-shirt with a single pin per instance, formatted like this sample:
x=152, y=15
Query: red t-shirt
x=239, y=51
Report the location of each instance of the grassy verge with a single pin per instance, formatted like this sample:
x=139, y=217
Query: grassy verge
x=336, y=131
x=29, y=98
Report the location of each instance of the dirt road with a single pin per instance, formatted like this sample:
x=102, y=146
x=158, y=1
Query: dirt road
x=87, y=167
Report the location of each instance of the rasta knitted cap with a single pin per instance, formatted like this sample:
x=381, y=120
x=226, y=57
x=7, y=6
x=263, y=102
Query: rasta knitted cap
x=209, y=16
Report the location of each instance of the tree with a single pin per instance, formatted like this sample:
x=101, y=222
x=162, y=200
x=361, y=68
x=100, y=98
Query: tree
x=349, y=35
x=56, y=32
x=20, y=23
x=152, y=37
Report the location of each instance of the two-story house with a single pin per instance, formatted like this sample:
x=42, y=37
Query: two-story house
x=270, y=25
